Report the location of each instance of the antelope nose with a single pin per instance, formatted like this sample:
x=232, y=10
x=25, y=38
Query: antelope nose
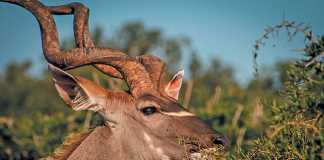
x=221, y=140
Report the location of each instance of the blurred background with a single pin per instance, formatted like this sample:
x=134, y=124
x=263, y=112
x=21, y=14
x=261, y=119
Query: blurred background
x=215, y=42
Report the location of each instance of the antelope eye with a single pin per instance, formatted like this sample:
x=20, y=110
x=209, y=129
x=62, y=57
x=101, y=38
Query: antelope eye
x=148, y=110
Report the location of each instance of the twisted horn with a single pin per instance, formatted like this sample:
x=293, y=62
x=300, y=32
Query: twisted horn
x=133, y=72
x=81, y=31
x=154, y=65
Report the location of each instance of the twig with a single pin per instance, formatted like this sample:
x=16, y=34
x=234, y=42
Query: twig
x=301, y=123
x=317, y=118
x=294, y=123
x=292, y=29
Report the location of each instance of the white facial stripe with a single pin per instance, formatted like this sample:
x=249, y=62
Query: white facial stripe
x=158, y=150
x=178, y=114
x=147, y=137
x=164, y=157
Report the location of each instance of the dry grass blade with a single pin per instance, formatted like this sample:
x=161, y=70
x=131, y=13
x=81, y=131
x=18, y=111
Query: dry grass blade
x=236, y=118
x=214, y=99
x=257, y=114
x=188, y=93
x=239, y=140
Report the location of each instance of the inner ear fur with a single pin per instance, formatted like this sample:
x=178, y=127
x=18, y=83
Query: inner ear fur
x=173, y=87
x=79, y=93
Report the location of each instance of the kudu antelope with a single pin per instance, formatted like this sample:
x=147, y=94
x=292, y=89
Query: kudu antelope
x=145, y=122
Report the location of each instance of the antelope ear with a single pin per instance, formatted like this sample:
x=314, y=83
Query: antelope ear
x=79, y=93
x=172, y=89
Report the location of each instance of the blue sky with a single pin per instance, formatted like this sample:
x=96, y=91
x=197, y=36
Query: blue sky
x=225, y=29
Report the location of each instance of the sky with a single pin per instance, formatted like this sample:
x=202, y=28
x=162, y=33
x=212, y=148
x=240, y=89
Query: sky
x=226, y=29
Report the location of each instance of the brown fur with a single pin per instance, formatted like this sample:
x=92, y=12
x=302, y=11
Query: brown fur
x=71, y=143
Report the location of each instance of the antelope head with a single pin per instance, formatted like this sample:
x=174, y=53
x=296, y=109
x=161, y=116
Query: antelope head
x=144, y=122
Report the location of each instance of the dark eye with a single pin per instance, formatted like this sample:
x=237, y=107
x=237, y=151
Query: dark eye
x=148, y=110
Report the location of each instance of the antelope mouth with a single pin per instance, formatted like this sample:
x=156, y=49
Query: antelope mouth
x=195, y=150
x=207, y=153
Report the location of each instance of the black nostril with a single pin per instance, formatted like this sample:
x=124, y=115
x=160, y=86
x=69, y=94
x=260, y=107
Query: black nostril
x=219, y=141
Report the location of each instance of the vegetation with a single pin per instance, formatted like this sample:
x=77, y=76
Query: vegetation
x=269, y=118
x=296, y=126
